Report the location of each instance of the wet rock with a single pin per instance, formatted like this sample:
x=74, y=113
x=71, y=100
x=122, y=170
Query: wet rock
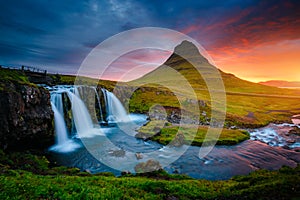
x=286, y=147
x=26, y=117
x=297, y=149
x=139, y=156
x=124, y=173
x=290, y=141
x=149, y=166
x=117, y=153
x=295, y=131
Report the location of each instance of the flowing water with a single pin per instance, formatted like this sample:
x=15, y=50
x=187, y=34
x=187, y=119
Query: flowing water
x=98, y=148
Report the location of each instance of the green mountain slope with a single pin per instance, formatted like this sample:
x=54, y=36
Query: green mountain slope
x=190, y=52
x=247, y=103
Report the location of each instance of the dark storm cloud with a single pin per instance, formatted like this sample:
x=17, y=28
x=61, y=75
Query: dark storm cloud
x=59, y=34
x=239, y=29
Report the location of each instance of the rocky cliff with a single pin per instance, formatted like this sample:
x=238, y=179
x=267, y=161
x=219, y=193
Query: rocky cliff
x=26, y=117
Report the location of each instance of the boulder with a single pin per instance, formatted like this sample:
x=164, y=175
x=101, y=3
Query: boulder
x=149, y=166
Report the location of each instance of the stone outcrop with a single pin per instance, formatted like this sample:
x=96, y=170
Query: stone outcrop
x=26, y=117
x=149, y=166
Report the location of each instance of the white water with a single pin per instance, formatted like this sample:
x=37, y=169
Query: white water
x=276, y=135
x=115, y=112
x=63, y=143
x=60, y=126
x=81, y=118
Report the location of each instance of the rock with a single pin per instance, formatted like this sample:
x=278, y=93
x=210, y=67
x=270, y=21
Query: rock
x=139, y=156
x=123, y=173
x=286, y=147
x=146, y=136
x=178, y=141
x=117, y=153
x=149, y=166
x=143, y=136
x=26, y=117
x=295, y=131
x=290, y=141
x=297, y=149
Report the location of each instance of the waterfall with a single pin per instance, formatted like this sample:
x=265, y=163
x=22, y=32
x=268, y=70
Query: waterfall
x=63, y=143
x=60, y=126
x=81, y=119
x=116, y=111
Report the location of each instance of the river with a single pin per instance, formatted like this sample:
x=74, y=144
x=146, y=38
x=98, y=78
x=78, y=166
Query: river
x=270, y=147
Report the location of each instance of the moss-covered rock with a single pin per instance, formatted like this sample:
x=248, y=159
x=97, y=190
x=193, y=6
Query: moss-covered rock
x=26, y=117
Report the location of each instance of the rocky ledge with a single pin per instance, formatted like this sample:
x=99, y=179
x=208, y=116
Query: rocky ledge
x=26, y=117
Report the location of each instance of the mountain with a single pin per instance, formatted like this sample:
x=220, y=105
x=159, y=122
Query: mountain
x=248, y=103
x=277, y=83
x=191, y=73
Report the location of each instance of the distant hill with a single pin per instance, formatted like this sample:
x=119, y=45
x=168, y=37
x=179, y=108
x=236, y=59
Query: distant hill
x=276, y=83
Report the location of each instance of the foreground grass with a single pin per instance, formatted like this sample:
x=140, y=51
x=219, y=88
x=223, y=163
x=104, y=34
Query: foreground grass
x=165, y=133
x=37, y=180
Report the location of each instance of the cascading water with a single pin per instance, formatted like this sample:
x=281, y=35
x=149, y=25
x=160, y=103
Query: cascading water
x=60, y=126
x=81, y=117
x=63, y=143
x=115, y=112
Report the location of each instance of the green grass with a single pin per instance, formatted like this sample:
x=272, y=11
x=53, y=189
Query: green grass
x=60, y=79
x=13, y=75
x=180, y=75
x=8, y=76
x=165, y=133
x=16, y=182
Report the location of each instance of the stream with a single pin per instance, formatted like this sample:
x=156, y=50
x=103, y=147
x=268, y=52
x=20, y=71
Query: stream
x=269, y=147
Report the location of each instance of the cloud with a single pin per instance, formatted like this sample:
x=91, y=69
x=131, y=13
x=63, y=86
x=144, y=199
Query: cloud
x=239, y=30
x=58, y=35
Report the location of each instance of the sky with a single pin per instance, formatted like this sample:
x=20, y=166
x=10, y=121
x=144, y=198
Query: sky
x=255, y=40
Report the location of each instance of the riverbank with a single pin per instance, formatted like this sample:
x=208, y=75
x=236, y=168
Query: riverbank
x=28, y=176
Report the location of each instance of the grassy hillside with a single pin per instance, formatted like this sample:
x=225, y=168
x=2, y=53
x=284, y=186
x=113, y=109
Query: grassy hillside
x=247, y=103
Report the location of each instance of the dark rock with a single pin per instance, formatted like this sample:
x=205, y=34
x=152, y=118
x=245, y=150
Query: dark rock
x=291, y=141
x=124, y=173
x=295, y=131
x=149, y=166
x=26, y=117
x=139, y=156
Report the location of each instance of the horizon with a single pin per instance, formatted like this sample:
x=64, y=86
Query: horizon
x=256, y=41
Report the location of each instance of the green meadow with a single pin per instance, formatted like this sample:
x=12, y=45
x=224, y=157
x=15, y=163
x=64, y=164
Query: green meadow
x=28, y=176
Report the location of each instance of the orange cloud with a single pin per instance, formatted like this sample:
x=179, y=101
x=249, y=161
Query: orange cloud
x=256, y=43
